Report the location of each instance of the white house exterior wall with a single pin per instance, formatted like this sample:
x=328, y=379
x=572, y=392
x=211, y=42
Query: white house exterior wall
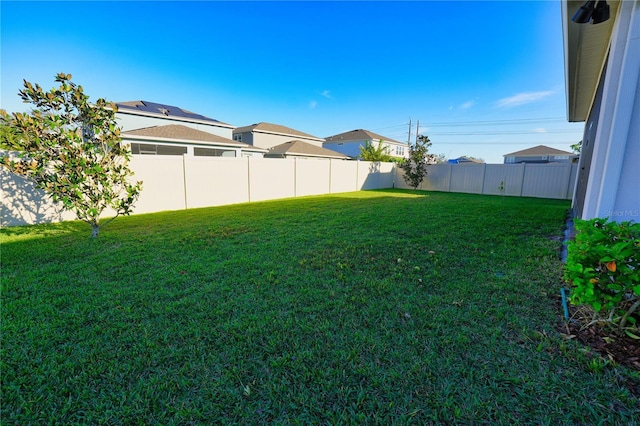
x=352, y=148
x=612, y=188
x=269, y=140
x=134, y=121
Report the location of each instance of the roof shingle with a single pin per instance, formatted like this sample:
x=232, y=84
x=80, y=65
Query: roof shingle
x=538, y=151
x=297, y=147
x=182, y=133
x=274, y=128
x=359, y=135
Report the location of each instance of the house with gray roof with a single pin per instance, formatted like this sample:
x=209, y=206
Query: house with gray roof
x=268, y=135
x=176, y=139
x=300, y=149
x=152, y=128
x=349, y=143
x=539, y=154
x=464, y=160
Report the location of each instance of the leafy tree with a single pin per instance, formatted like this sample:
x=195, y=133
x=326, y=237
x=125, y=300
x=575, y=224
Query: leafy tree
x=439, y=159
x=577, y=147
x=415, y=167
x=368, y=152
x=71, y=149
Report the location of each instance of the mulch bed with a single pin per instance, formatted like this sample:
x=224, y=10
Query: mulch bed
x=622, y=349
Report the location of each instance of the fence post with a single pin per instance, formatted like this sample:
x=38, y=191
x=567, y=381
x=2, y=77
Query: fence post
x=330, y=168
x=522, y=172
x=184, y=180
x=569, y=168
x=249, y=178
x=484, y=176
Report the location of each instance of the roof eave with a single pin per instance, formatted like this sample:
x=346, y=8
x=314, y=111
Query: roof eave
x=585, y=51
x=270, y=132
x=174, y=118
x=184, y=141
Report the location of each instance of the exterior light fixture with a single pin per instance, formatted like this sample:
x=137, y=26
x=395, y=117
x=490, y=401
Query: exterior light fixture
x=601, y=13
x=596, y=11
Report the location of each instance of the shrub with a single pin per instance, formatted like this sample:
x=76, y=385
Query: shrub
x=603, y=268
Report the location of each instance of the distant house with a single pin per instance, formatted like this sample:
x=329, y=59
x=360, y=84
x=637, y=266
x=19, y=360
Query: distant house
x=464, y=160
x=176, y=139
x=539, y=154
x=142, y=114
x=268, y=135
x=602, y=76
x=349, y=143
x=299, y=149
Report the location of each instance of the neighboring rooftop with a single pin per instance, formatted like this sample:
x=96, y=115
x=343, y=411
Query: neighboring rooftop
x=537, y=151
x=359, y=135
x=464, y=159
x=273, y=128
x=162, y=109
x=297, y=147
x=178, y=132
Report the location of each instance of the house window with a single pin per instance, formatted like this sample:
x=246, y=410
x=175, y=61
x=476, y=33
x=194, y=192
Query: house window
x=561, y=157
x=213, y=152
x=151, y=149
x=510, y=159
x=237, y=137
x=400, y=150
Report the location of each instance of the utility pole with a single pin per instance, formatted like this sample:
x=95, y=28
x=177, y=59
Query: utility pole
x=417, y=131
x=409, y=137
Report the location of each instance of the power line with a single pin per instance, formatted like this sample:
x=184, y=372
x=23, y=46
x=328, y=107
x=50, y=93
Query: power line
x=438, y=143
x=500, y=122
x=482, y=122
x=501, y=132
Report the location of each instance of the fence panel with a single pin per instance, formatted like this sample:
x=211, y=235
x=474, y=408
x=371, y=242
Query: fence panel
x=216, y=181
x=344, y=176
x=163, y=185
x=21, y=203
x=546, y=180
x=387, y=176
x=467, y=178
x=312, y=177
x=179, y=182
x=438, y=178
x=271, y=178
x=509, y=175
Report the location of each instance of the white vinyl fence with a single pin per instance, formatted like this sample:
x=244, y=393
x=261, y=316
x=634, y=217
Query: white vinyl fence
x=550, y=180
x=175, y=183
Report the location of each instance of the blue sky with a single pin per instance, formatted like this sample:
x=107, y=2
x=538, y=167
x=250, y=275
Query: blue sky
x=484, y=78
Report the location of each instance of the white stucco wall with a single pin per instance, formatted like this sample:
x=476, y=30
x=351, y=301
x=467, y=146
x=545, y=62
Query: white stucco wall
x=268, y=140
x=133, y=121
x=352, y=148
x=613, y=187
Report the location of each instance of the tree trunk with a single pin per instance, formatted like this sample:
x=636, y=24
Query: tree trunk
x=94, y=230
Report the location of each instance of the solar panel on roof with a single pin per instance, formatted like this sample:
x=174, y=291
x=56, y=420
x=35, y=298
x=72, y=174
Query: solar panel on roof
x=168, y=110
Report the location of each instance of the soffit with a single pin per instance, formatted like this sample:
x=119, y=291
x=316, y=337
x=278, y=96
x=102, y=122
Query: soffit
x=585, y=50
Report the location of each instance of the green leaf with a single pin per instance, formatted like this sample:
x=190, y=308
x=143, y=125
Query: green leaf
x=633, y=336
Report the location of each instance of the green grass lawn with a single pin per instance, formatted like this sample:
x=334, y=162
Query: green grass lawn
x=376, y=307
